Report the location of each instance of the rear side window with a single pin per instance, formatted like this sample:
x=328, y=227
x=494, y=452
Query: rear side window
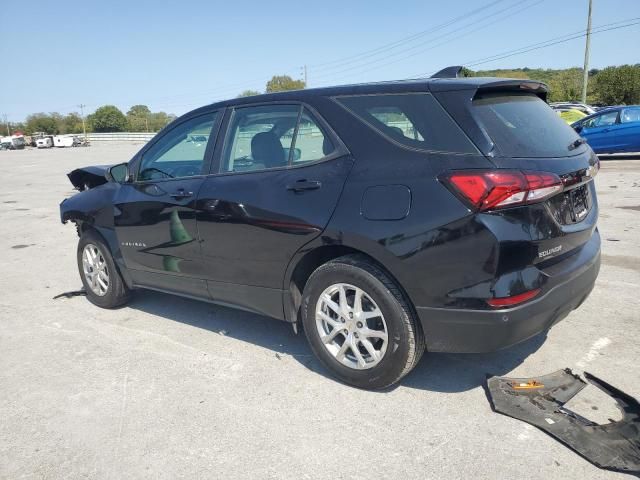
x=415, y=120
x=523, y=125
x=630, y=115
x=273, y=136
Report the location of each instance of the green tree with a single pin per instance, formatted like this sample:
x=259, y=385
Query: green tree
x=618, y=85
x=72, y=123
x=281, y=83
x=158, y=120
x=138, y=118
x=249, y=93
x=566, y=85
x=41, y=122
x=108, y=118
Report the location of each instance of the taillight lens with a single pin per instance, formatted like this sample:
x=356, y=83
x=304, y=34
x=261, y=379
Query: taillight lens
x=514, y=300
x=486, y=190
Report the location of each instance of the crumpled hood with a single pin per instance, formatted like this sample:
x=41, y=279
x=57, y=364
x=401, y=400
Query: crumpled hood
x=88, y=177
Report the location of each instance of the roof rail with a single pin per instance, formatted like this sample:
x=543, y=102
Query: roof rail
x=448, y=72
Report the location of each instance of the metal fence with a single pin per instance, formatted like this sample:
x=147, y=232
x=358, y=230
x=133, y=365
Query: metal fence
x=137, y=137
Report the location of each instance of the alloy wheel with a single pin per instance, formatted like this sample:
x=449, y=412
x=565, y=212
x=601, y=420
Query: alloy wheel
x=351, y=326
x=95, y=269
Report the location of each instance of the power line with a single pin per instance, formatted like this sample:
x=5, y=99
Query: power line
x=543, y=44
x=410, y=38
x=356, y=65
x=520, y=50
x=396, y=59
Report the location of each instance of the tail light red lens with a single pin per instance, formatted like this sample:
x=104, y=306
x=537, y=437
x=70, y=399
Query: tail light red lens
x=487, y=190
x=510, y=301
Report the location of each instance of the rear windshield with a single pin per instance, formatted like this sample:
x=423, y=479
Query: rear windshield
x=415, y=120
x=523, y=125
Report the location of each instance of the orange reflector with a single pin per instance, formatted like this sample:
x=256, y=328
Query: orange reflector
x=532, y=385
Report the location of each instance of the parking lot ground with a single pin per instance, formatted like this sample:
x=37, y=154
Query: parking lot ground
x=174, y=388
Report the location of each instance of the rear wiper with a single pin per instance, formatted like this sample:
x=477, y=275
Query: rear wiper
x=577, y=143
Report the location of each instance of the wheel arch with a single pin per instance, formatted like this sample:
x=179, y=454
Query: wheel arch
x=313, y=258
x=108, y=235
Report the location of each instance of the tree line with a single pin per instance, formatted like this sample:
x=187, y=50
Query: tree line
x=108, y=118
x=608, y=86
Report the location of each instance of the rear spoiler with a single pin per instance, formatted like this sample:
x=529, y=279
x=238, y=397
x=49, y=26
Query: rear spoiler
x=488, y=84
x=514, y=85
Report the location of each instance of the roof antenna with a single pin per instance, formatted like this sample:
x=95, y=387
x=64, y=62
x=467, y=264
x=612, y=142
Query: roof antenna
x=449, y=72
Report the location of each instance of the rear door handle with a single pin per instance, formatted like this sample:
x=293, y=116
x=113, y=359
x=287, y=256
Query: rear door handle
x=302, y=185
x=181, y=193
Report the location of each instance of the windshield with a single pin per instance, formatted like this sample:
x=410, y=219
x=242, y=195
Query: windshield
x=523, y=125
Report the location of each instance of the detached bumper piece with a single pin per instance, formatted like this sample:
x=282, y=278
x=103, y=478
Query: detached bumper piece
x=540, y=401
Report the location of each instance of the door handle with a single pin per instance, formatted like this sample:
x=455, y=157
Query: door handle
x=302, y=185
x=181, y=193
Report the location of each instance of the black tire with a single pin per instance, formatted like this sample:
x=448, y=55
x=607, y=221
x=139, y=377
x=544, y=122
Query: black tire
x=405, y=338
x=117, y=293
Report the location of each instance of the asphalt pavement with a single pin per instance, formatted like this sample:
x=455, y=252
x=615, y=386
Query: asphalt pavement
x=169, y=388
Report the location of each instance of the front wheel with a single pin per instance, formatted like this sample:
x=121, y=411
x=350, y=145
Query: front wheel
x=359, y=324
x=100, y=277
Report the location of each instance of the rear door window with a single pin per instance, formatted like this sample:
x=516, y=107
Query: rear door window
x=414, y=120
x=523, y=125
x=630, y=115
x=274, y=136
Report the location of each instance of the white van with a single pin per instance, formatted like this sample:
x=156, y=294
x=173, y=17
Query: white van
x=63, y=141
x=45, y=142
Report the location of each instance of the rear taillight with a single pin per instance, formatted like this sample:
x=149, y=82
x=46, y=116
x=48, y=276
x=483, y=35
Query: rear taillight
x=514, y=300
x=486, y=190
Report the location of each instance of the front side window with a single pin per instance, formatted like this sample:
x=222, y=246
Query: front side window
x=604, y=120
x=273, y=136
x=414, y=120
x=180, y=152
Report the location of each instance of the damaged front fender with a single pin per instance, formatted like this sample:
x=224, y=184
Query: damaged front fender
x=94, y=206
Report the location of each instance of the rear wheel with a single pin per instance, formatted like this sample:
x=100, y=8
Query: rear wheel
x=359, y=324
x=100, y=277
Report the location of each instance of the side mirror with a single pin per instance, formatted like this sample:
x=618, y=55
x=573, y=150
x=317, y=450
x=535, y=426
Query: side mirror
x=578, y=128
x=118, y=173
x=297, y=153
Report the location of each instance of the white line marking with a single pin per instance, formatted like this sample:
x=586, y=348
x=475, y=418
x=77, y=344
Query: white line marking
x=593, y=352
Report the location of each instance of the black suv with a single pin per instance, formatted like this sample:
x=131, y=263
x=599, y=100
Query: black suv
x=446, y=214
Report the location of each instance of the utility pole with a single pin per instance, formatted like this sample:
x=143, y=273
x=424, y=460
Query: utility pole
x=304, y=69
x=84, y=128
x=7, y=122
x=585, y=73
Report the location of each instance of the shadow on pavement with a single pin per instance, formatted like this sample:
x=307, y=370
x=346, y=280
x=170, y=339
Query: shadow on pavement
x=438, y=372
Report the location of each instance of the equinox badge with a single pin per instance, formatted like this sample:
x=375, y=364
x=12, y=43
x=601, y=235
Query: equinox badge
x=546, y=253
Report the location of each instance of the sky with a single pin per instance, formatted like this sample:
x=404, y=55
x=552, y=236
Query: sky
x=176, y=56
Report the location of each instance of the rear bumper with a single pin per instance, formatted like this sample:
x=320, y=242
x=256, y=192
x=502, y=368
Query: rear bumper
x=473, y=331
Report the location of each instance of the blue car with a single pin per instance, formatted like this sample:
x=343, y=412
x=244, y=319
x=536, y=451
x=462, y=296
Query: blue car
x=612, y=130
